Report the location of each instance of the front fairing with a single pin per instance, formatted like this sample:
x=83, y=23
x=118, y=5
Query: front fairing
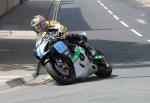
x=40, y=47
x=59, y=46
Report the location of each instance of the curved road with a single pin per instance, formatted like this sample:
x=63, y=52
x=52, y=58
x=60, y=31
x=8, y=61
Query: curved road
x=120, y=29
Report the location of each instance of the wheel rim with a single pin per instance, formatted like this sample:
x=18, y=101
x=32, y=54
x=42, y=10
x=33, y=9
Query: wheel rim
x=63, y=70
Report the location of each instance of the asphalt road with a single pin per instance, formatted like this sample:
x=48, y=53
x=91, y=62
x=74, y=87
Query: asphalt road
x=120, y=29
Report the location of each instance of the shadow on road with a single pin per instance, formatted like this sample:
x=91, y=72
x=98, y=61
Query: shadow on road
x=92, y=78
x=73, y=19
x=126, y=54
x=17, y=51
x=123, y=54
x=132, y=77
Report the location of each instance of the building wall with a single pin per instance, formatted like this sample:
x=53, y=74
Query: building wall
x=6, y=5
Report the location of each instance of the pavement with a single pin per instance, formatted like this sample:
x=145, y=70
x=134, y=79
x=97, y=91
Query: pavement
x=16, y=74
x=18, y=65
x=146, y=3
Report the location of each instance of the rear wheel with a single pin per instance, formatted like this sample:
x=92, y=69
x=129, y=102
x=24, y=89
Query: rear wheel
x=61, y=70
x=104, y=67
x=104, y=70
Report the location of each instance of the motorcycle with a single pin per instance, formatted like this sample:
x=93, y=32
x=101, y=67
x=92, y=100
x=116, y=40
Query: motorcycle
x=66, y=63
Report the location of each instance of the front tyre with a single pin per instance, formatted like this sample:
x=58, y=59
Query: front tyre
x=64, y=74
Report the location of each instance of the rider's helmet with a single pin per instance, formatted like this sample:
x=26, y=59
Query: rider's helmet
x=38, y=23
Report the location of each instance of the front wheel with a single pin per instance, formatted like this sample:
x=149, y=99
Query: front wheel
x=62, y=73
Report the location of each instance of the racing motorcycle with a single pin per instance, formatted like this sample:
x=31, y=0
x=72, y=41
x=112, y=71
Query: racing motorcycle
x=66, y=63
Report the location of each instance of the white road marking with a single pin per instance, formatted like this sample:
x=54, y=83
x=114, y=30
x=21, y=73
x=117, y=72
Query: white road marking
x=148, y=40
x=137, y=33
x=5, y=50
x=146, y=5
x=105, y=8
x=102, y=4
x=141, y=21
x=110, y=12
x=123, y=23
x=99, y=1
x=116, y=17
x=9, y=77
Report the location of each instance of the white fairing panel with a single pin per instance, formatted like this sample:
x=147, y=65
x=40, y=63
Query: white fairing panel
x=80, y=70
x=40, y=49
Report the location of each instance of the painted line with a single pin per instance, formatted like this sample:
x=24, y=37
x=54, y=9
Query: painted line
x=54, y=10
x=102, y=4
x=9, y=77
x=137, y=33
x=110, y=12
x=141, y=21
x=44, y=81
x=5, y=50
x=148, y=40
x=116, y=17
x=146, y=5
x=57, y=10
x=99, y=1
x=124, y=24
x=105, y=8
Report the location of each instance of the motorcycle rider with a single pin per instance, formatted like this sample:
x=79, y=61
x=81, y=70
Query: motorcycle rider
x=41, y=27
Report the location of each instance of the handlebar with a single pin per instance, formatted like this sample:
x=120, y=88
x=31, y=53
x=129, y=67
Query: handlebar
x=54, y=35
x=52, y=30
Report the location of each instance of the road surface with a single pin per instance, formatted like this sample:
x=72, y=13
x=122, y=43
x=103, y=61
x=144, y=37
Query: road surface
x=120, y=29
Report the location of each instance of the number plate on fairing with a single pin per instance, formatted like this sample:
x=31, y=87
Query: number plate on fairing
x=60, y=47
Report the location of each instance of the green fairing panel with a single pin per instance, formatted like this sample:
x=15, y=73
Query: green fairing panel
x=76, y=56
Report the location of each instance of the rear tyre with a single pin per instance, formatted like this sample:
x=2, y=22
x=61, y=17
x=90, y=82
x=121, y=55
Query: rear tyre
x=104, y=71
x=104, y=67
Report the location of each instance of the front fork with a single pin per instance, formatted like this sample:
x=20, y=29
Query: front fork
x=38, y=68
